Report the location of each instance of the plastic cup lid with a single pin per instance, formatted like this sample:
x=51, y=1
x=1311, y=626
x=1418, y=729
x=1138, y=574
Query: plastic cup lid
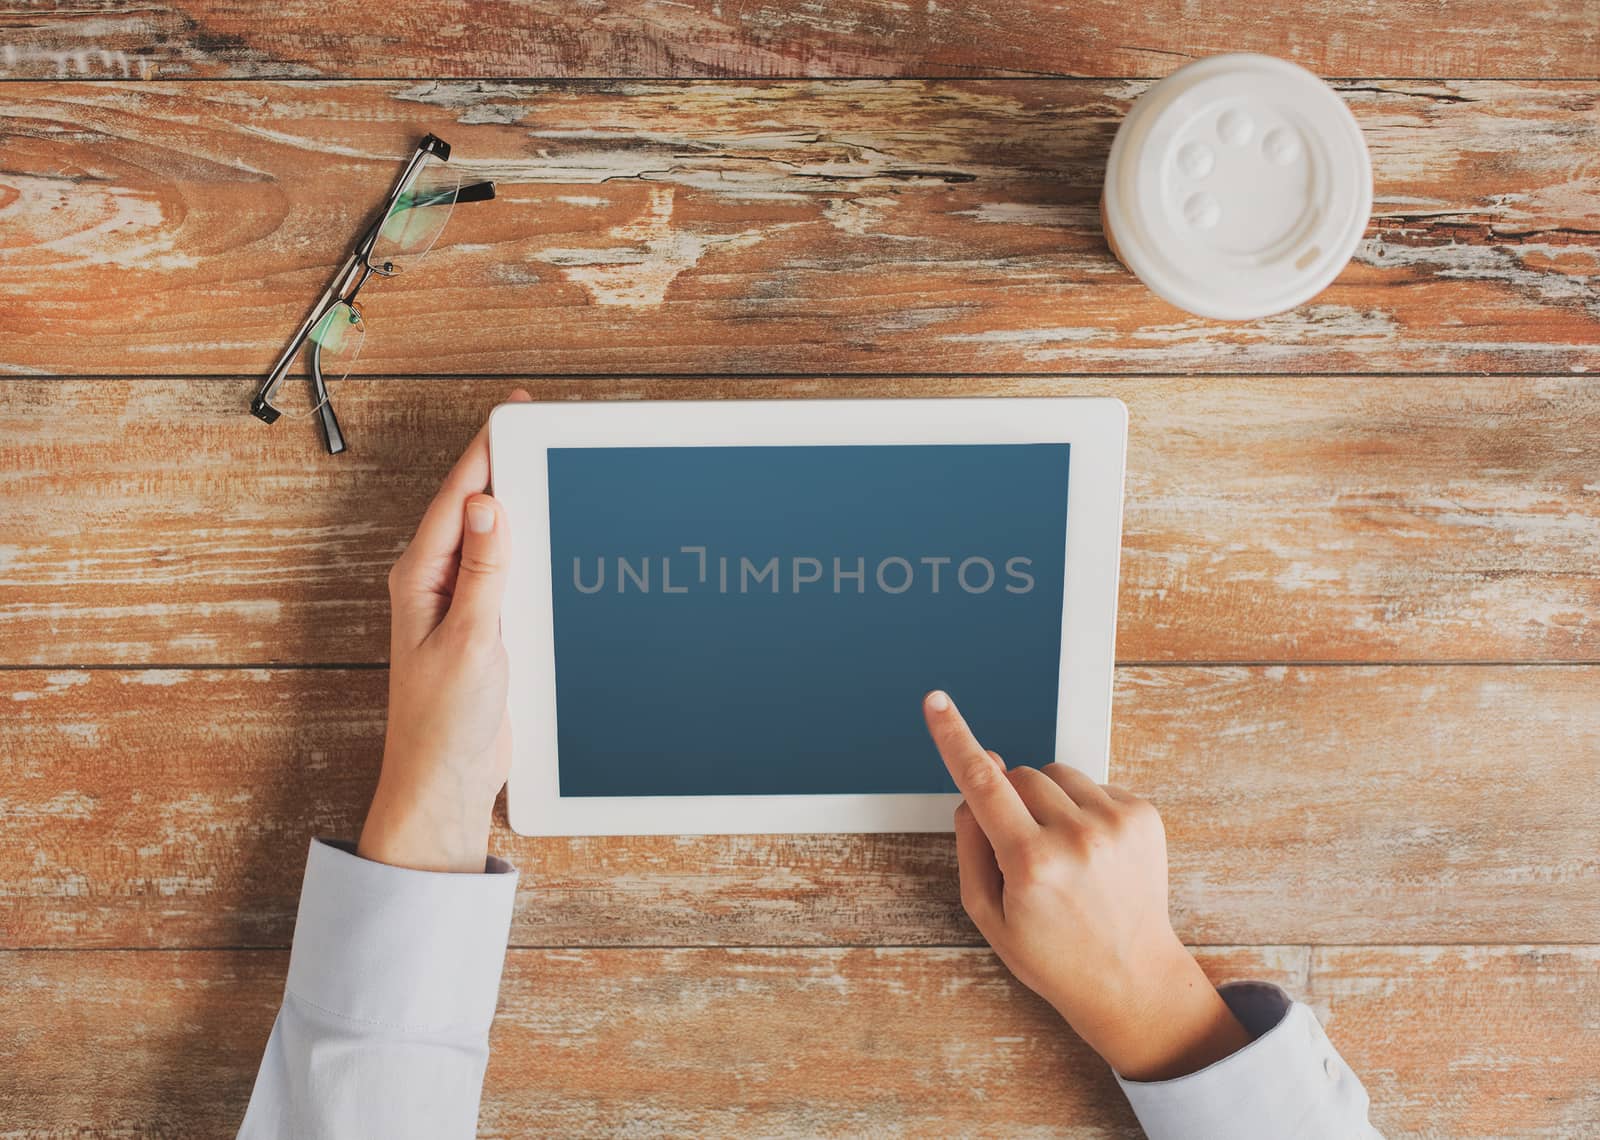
x=1238, y=187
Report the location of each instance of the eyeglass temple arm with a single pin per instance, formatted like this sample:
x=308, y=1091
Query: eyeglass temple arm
x=474, y=192
x=332, y=434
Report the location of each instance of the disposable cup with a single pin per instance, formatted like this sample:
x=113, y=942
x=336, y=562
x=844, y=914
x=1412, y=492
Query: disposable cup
x=1237, y=187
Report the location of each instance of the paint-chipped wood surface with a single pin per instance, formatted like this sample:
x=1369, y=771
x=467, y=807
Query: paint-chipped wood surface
x=1268, y=518
x=835, y=1042
x=1360, y=611
x=880, y=226
x=1303, y=804
x=430, y=38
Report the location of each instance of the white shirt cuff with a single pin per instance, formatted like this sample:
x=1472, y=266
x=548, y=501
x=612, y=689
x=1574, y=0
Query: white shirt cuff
x=1288, y=1081
x=401, y=949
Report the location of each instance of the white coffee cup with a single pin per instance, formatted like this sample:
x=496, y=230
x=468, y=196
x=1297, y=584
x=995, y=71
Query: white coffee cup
x=1237, y=187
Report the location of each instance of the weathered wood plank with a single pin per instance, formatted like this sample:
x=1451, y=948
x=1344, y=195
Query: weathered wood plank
x=1462, y=1042
x=870, y=226
x=1268, y=518
x=1334, y=804
x=837, y=37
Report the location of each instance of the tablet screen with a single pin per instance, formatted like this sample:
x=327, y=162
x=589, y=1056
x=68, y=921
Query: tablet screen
x=765, y=620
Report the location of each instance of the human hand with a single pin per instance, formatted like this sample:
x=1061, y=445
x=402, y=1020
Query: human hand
x=448, y=747
x=1067, y=880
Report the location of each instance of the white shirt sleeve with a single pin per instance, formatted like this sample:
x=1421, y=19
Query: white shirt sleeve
x=393, y=978
x=1287, y=1082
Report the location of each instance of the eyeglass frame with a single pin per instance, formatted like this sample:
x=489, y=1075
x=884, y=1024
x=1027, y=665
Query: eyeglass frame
x=358, y=267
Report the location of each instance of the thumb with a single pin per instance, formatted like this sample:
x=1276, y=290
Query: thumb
x=485, y=561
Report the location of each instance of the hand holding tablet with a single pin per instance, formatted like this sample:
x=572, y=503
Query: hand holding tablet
x=448, y=744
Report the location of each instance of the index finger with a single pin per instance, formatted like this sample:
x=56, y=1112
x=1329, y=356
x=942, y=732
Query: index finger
x=995, y=804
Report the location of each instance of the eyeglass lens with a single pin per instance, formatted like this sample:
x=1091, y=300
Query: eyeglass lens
x=416, y=219
x=334, y=343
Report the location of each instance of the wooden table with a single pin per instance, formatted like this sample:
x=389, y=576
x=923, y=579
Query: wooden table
x=1360, y=635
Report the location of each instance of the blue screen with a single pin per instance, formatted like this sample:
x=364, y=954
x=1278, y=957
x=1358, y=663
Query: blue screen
x=766, y=620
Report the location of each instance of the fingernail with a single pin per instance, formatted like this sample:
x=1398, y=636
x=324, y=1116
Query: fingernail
x=938, y=700
x=480, y=517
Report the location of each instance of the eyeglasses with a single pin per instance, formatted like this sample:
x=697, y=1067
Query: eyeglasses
x=412, y=219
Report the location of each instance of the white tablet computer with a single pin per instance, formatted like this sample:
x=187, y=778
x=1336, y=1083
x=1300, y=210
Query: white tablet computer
x=722, y=616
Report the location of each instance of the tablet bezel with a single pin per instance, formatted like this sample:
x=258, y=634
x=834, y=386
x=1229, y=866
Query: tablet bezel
x=519, y=438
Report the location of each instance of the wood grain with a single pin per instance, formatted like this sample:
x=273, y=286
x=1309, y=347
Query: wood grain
x=651, y=228
x=1459, y=1042
x=1268, y=518
x=1428, y=804
x=1337, y=484
x=769, y=38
